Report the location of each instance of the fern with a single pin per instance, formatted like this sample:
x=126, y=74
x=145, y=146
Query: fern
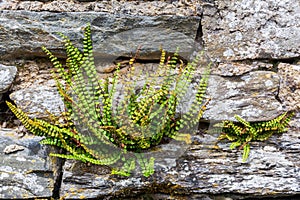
x=103, y=129
x=242, y=133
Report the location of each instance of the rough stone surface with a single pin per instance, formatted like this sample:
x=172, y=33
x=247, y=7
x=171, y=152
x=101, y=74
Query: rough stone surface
x=237, y=69
x=38, y=101
x=272, y=169
x=252, y=29
x=135, y=7
x=252, y=96
x=7, y=76
x=32, y=73
x=25, y=169
x=22, y=33
x=290, y=85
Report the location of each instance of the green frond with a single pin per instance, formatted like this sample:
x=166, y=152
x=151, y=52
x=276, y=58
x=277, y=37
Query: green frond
x=127, y=168
x=192, y=117
x=146, y=165
x=67, y=156
x=241, y=120
x=241, y=133
x=58, y=66
x=31, y=125
x=246, y=152
x=235, y=144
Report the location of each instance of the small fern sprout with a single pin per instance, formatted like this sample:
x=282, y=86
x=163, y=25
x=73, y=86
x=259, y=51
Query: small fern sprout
x=242, y=132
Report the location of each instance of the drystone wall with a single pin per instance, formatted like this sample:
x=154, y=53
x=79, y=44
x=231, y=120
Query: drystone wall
x=254, y=45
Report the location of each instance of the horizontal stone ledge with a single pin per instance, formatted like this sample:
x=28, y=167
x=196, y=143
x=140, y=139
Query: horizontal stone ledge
x=22, y=33
x=252, y=96
x=135, y=7
x=272, y=170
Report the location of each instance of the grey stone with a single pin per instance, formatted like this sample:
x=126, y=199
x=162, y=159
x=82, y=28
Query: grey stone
x=205, y=168
x=38, y=0
x=149, y=39
x=289, y=92
x=7, y=76
x=254, y=29
x=24, y=32
x=252, y=96
x=26, y=172
x=38, y=101
x=238, y=68
x=133, y=7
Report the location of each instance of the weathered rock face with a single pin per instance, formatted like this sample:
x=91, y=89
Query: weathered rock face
x=39, y=101
x=252, y=96
x=254, y=29
x=205, y=168
x=7, y=76
x=256, y=46
x=290, y=85
x=133, y=7
x=23, y=33
x=25, y=170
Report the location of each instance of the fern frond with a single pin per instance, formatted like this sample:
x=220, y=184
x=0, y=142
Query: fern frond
x=243, y=132
x=127, y=168
x=192, y=117
x=241, y=120
x=246, y=152
x=146, y=165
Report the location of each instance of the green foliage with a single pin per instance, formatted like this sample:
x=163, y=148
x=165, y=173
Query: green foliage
x=102, y=128
x=241, y=133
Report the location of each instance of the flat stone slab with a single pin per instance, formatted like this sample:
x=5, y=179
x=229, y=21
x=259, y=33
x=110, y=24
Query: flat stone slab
x=38, y=101
x=113, y=35
x=25, y=170
x=134, y=7
x=206, y=168
x=252, y=96
x=254, y=29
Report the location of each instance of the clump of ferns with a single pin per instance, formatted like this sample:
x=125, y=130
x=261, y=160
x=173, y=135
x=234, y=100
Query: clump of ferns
x=242, y=132
x=103, y=129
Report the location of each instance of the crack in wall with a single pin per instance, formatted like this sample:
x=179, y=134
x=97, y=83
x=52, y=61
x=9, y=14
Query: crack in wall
x=289, y=60
x=58, y=174
x=199, y=34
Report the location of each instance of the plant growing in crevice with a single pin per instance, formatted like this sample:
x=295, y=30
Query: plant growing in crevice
x=103, y=128
x=242, y=132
